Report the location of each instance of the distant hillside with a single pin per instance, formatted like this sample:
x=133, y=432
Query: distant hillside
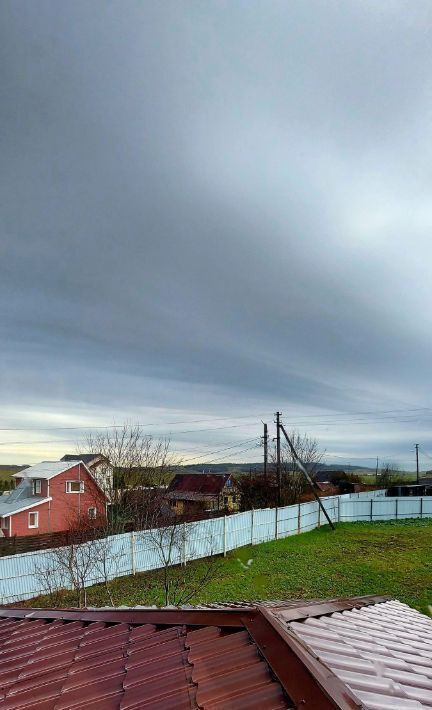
x=7, y=470
x=230, y=467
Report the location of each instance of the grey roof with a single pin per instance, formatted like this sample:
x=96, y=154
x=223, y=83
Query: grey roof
x=45, y=469
x=85, y=458
x=382, y=652
x=19, y=499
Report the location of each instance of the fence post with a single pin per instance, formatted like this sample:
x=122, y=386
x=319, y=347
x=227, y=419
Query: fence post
x=299, y=519
x=421, y=507
x=396, y=509
x=133, y=563
x=224, y=536
x=339, y=515
x=371, y=510
x=252, y=526
x=184, y=547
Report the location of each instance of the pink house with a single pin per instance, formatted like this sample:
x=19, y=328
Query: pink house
x=50, y=497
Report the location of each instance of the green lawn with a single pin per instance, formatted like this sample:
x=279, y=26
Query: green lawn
x=392, y=558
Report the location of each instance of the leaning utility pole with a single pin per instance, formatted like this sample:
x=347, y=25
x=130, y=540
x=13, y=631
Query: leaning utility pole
x=417, y=464
x=278, y=459
x=265, y=442
x=304, y=471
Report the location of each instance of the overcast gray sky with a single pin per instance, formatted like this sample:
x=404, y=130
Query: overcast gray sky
x=216, y=209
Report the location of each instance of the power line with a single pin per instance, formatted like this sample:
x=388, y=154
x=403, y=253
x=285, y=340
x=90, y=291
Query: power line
x=120, y=426
x=209, y=453
x=204, y=463
x=372, y=413
x=188, y=431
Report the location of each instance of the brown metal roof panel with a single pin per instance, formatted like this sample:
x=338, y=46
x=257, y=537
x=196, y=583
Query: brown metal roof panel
x=182, y=699
x=48, y=643
x=53, y=650
x=233, y=684
x=80, y=697
x=159, y=689
x=93, y=675
x=26, y=698
x=20, y=638
x=205, y=634
x=142, y=631
x=94, y=649
x=213, y=647
x=102, y=634
x=140, y=655
x=111, y=703
x=50, y=676
x=154, y=638
x=137, y=674
x=85, y=664
x=216, y=665
x=9, y=667
x=269, y=697
x=9, y=678
x=39, y=666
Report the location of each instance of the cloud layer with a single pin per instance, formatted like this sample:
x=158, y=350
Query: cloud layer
x=216, y=209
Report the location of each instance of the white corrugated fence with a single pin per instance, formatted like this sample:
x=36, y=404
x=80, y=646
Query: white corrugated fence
x=25, y=575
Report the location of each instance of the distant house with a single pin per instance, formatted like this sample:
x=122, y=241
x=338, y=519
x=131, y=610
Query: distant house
x=98, y=465
x=50, y=497
x=195, y=492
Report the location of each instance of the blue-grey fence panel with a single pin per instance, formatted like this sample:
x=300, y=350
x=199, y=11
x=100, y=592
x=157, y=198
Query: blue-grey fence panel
x=264, y=524
x=238, y=530
x=308, y=516
x=204, y=539
x=427, y=507
x=288, y=518
x=350, y=510
x=26, y=575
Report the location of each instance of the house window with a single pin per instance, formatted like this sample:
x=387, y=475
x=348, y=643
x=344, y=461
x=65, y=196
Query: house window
x=37, y=486
x=225, y=500
x=74, y=486
x=33, y=520
x=92, y=513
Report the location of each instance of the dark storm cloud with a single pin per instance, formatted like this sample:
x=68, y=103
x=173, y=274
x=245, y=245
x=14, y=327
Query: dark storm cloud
x=211, y=205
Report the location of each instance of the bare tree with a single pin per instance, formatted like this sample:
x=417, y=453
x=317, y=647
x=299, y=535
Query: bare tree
x=140, y=467
x=86, y=557
x=387, y=474
x=294, y=483
x=171, y=542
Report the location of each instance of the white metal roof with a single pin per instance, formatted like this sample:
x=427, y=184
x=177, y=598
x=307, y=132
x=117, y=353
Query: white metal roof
x=382, y=652
x=46, y=469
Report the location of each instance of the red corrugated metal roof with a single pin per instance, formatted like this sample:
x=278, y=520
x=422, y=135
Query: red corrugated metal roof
x=205, y=483
x=364, y=652
x=62, y=664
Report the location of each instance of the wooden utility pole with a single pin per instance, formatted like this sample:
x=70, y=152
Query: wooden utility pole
x=417, y=464
x=265, y=442
x=304, y=471
x=278, y=459
x=376, y=473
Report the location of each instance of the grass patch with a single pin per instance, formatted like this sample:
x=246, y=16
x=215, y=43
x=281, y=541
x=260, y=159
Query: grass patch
x=391, y=558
